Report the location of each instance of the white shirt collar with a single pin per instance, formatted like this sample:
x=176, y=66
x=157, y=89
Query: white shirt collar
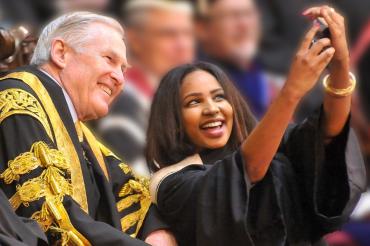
x=71, y=108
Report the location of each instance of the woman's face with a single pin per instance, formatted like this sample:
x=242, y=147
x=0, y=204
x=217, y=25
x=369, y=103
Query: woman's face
x=207, y=116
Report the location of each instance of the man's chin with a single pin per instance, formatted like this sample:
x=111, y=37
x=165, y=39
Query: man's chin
x=96, y=114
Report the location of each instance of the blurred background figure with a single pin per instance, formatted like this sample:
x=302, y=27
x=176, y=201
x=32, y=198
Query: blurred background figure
x=357, y=231
x=160, y=36
x=16, y=47
x=229, y=32
x=63, y=6
x=283, y=25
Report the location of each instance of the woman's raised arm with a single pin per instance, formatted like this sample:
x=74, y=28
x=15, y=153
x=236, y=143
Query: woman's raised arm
x=310, y=61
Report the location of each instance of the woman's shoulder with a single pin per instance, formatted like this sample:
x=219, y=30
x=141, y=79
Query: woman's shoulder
x=163, y=173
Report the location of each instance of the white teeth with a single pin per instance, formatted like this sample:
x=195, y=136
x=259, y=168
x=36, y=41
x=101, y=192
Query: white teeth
x=106, y=89
x=212, y=124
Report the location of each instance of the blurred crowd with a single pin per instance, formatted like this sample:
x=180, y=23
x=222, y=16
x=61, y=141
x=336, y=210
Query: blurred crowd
x=252, y=40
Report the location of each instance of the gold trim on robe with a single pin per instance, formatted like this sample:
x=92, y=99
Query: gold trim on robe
x=62, y=139
x=18, y=101
x=95, y=147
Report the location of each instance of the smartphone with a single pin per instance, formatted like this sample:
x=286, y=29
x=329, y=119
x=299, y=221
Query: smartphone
x=323, y=31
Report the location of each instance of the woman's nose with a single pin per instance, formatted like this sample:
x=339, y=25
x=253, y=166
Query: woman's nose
x=211, y=108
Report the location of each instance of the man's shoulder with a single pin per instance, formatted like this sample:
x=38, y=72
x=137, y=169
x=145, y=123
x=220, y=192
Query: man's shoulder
x=9, y=81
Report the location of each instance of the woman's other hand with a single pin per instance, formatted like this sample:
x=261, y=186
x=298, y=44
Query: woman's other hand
x=337, y=29
x=161, y=238
x=308, y=64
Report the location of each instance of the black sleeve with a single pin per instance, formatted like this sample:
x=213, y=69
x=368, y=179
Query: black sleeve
x=16, y=230
x=132, y=196
x=207, y=204
x=332, y=176
x=17, y=134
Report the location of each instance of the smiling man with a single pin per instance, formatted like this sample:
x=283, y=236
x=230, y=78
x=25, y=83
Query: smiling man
x=52, y=168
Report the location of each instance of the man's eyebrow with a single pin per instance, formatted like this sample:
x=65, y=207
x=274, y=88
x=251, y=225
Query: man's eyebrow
x=118, y=57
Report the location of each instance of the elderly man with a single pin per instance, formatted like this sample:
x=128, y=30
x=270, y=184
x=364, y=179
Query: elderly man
x=52, y=168
x=159, y=37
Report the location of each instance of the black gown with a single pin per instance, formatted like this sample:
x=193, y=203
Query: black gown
x=25, y=122
x=309, y=190
x=18, y=231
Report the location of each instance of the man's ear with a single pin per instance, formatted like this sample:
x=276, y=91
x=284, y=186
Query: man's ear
x=58, y=52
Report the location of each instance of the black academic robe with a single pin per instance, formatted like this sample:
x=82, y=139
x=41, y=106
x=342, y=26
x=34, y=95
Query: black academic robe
x=18, y=231
x=309, y=190
x=102, y=223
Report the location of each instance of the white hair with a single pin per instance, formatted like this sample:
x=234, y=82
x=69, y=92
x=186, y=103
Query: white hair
x=135, y=10
x=73, y=29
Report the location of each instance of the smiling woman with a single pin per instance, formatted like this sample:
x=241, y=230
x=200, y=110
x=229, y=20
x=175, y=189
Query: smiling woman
x=224, y=180
x=203, y=98
x=191, y=99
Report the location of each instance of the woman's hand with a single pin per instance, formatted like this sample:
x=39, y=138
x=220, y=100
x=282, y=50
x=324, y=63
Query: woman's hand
x=308, y=64
x=260, y=147
x=336, y=108
x=161, y=238
x=337, y=30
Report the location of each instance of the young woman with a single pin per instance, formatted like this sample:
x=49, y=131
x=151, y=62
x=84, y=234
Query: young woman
x=267, y=184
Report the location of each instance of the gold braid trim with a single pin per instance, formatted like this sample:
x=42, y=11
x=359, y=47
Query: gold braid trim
x=62, y=139
x=53, y=216
x=136, y=217
x=50, y=181
x=134, y=191
x=94, y=145
x=31, y=190
x=17, y=101
x=52, y=186
x=106, y=151
x=125, y=168
x=69, y=234
x=39, y=156
x=22, y=164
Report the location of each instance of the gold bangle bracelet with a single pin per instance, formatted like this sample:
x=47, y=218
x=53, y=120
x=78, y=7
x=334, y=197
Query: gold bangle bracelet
x=340, y=92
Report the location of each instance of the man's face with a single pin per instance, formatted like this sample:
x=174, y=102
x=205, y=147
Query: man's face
x=164, y=40
x=93, y=74
x=232, y=29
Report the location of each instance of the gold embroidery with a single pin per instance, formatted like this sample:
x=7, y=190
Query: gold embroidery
x=134, y=191
x=52, y=186
x=53, y=216
x=50, y=181
x=106, y=151
x=39, y=156
x=125, y=168
x=31, y=190
x=69, y=233
x=17, y=101
x=134, y=186
x=125, y=203
x=94, y=144
x=136, y=217
x=22, y=164
x=43, y=218
x=63, y=140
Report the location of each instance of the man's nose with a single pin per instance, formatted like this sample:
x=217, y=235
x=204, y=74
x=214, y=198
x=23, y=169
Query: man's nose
x=117, y=75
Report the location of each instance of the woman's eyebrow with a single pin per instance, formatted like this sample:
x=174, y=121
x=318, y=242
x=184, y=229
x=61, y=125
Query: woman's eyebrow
x=217, y=90
x=193, y=94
